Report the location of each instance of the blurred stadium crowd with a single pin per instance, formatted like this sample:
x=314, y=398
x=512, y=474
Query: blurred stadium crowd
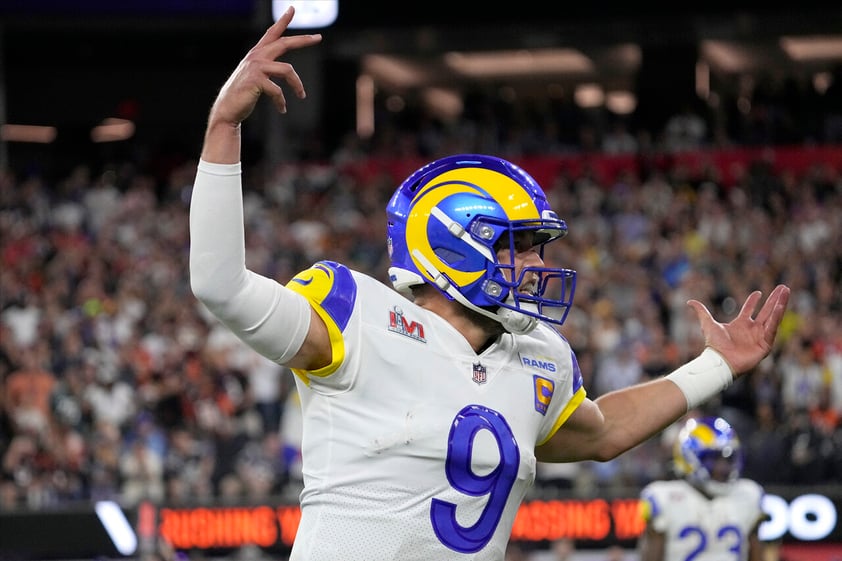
x=118, y=384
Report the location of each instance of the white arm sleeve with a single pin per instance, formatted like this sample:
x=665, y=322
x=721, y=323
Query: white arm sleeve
x=266, y=315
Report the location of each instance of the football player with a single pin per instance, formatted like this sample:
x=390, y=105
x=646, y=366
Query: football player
x=709, y=513
x=426, y=404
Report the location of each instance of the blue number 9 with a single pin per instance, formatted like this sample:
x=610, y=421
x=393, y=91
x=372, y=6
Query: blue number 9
x=497, y=484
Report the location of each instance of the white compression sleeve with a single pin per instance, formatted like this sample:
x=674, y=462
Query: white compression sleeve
x=269, y=317
x=703, y=377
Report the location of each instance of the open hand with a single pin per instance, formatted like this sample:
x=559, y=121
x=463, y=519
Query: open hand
x=746, y=340
x=253, y=76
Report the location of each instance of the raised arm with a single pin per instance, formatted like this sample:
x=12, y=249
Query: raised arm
x=617, y=421
x=252, y=79
x=275, y=321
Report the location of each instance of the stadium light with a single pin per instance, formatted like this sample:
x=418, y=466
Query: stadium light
x=309, y=14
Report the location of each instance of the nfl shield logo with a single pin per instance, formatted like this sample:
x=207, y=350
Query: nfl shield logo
x=479, y=373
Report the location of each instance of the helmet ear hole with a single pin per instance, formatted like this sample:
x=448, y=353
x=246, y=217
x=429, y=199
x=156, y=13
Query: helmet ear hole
x=413, y=187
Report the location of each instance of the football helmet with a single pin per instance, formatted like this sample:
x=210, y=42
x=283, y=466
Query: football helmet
x=708, y=454
x=447, y=223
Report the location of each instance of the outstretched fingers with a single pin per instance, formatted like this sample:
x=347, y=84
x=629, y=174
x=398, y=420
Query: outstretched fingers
x=281, y=45
x=773, y=310
x=705, y=317
x=740, y=340
x=263, y=58
x=287, y=73
x=275, y=94
x=750, y=305
x=274, y=32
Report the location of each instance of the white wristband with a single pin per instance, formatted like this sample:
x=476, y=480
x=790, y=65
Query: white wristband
x=702, y=378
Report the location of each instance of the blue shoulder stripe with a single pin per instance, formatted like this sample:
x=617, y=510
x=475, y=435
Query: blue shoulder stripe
x=577, y=374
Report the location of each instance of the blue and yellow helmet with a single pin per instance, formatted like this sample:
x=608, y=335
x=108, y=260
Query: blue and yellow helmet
x=708, y=453
x=448, y=220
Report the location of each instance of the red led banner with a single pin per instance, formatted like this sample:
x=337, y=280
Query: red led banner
x=808, y=522
x=596, y=520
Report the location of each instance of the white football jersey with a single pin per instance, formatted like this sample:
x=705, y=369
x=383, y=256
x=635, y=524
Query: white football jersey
x=414, y=446
x=699, y=528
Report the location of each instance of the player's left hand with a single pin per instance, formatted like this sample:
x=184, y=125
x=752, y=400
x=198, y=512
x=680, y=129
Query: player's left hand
x=745, y=341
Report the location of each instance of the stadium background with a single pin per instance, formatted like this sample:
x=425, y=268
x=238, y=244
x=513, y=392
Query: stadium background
x=157, y=65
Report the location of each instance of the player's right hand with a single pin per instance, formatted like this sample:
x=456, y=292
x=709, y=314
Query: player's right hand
x=254, y=74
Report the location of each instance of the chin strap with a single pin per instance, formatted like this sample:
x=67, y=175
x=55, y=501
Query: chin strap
x=517, y=322
x=512, y=321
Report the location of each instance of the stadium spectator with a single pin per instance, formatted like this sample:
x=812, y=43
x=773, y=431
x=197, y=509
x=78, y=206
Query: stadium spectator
x=765, y=452
x=803, y=380
x=29, y=389
x=685, y=130
x=141, y=473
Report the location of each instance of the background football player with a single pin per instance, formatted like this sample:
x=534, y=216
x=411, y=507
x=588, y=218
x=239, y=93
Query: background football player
x=710, y=513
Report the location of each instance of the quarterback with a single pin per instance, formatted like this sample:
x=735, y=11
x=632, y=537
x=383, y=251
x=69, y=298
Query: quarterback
x=426, y=404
